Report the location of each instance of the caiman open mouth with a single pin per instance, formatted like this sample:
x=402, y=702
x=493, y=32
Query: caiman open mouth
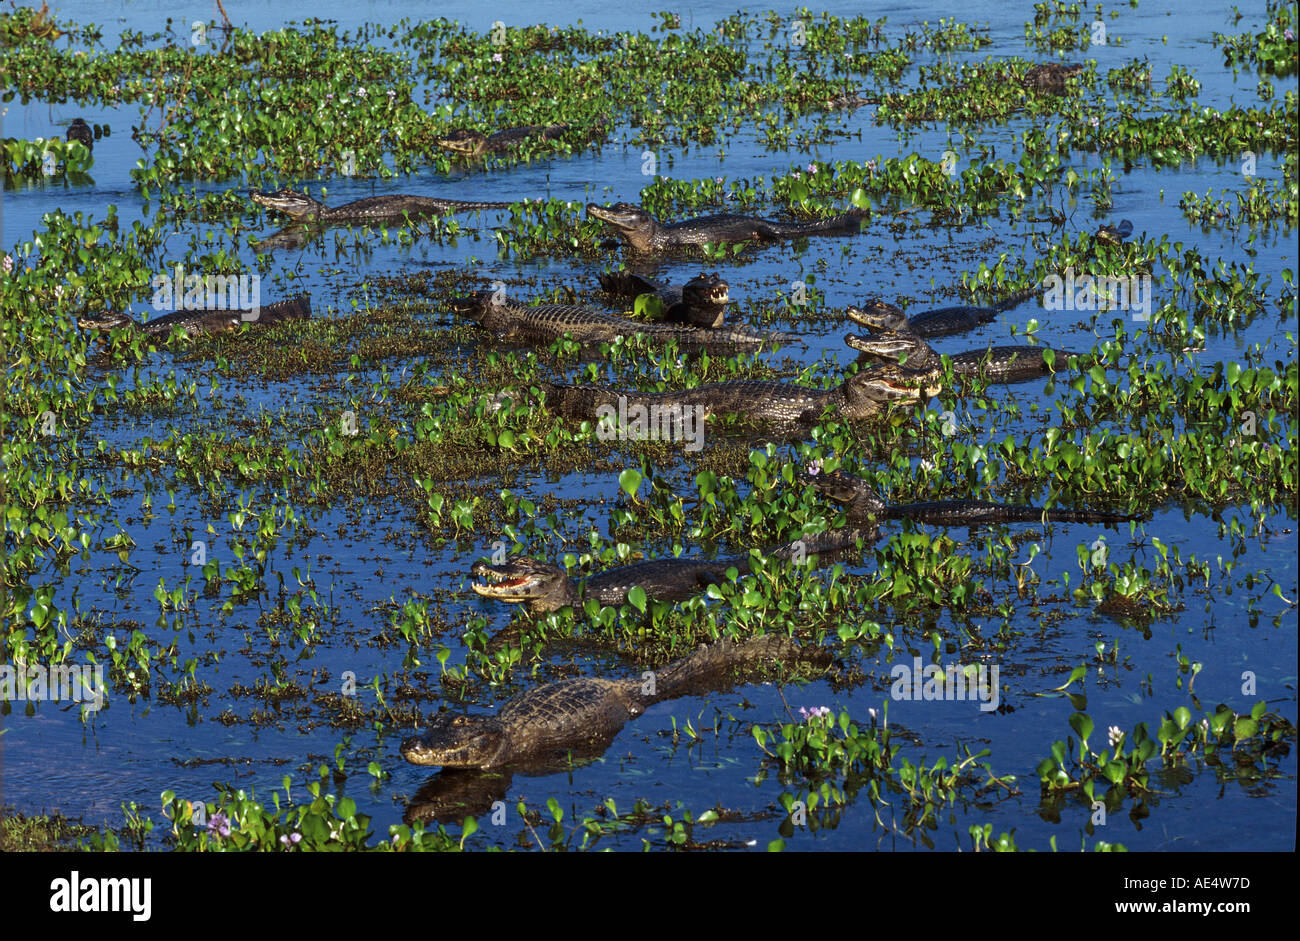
x=501, y=585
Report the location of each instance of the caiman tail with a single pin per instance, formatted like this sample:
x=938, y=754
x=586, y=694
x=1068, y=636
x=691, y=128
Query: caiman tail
x=707, y=664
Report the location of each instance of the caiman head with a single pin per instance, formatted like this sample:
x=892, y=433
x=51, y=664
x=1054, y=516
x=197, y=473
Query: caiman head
x=704, y=302
x=877, y=316
x=706, y=290
x=886, y=384
x=632, y=223
x=80, y=132
x=906, y=349
x=296, y=205
x=844, y=488
x=463, y=142
x=457, y=741
x=487, y=310
x=540, y=585
x=1115, y=234
x=104, y=320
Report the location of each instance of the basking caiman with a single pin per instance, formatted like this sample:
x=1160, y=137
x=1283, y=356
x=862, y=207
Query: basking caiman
x=198, y=322
x=864, y=394
x=582, y=715
x=862, y=502
x=1004, y=364
x=1050, y=77
x=644, y=233
x=548, y=322
x=701, y=301
x=473, y=144
x=301, y=208
x=544, y=587
x=934, y=323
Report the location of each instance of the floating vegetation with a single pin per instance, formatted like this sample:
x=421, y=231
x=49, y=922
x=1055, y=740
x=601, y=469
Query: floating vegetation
x=268, y=460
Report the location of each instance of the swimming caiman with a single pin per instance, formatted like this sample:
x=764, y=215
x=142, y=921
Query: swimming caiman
x=198, y=322
x=473, y=144
x=547, y=322
x=701, y=301
x=644, y=233
x=301, y=208
x=545, y=587
x=863, y=394
x=935, y=323
x=583, y=715
x=80, y=132
x=1005, y=364
x=862, y=502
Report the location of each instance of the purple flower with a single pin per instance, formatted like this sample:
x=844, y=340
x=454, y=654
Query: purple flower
x=871, y=166
x=8, y=264
x=290, y=839
x=812, y=168
x=1288, y=35
x=816, y=712
x=219, y=824
x=361, y=92
x=496, y=57
x=815, y=467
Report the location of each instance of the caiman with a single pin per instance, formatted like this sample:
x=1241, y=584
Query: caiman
x=1114, y=234
x=701, y=301
x=864, y=394
x=863, y=503
x=1050, y=77
x=473, y=144
x=545, y=323
x=582, y=715
x=644, y=233
x=301, y=208
x=1003, y=364
x=849, y=102
x=199, y=322
x=545, y=587
x=935, y=323
x=80, y=131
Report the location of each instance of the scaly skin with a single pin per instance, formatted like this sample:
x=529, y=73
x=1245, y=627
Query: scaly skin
x=582, y=715
x=643, y=233
x=544, y=587
x=862, y=502
x=701, y=301
x=473, y=144
x=1050, y=77
x=878, y=315
x=301, y=208
x=198, y=322
x=548, y=322
x=864, y=394
x=1003, y=364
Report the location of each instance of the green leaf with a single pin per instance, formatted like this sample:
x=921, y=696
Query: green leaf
x=630, y=480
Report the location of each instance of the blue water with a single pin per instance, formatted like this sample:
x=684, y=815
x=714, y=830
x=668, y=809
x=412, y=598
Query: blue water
x=370, y=559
